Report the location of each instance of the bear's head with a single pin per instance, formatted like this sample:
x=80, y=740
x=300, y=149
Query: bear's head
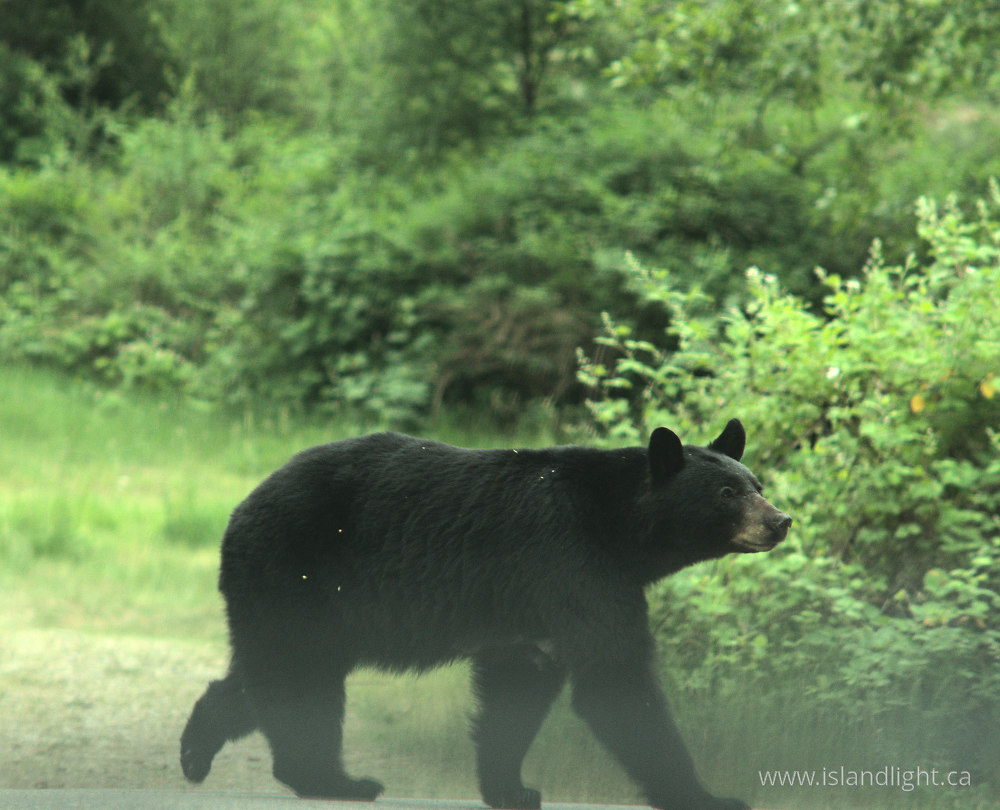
x=704, y=503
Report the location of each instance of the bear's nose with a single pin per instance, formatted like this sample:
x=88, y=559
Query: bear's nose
x=784, y=524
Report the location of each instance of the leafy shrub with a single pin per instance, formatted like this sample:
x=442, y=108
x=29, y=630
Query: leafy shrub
x=329, y=312
x=874, y=423
x=239, y=57
x=125, y=60
x=32, y=113
x=268, y=264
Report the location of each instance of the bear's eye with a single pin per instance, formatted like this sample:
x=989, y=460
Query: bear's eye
x=727, y=493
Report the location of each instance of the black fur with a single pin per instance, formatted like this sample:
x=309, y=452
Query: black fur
x=405, y=553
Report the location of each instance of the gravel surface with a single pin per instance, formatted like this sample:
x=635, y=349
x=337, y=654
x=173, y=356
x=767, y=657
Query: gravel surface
x=92, y=721
x=88, y=711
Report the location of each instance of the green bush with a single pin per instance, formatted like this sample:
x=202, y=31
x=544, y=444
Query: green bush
x=33, y=116
x=270, y=264
x=242, y=58
x=874, y=423
x=107, y=52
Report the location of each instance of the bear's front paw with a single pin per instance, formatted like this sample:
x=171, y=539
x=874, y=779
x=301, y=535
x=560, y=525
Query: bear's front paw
x=703, y=802
x=517, y=798
x=365, y=790
x=312, y=786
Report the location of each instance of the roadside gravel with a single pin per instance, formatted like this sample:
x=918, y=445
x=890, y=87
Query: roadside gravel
x=88, y=711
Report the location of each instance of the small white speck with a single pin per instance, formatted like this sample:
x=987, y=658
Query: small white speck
x=832, y=372
x=305, y=577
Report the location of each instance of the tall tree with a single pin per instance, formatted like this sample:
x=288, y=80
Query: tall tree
x=462, y=71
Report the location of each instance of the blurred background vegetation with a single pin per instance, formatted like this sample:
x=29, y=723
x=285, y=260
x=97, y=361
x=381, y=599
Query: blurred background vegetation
x=229, y=230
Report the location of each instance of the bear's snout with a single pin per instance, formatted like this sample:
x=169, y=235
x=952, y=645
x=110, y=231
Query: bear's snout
x=782, y=526
x=763, y=526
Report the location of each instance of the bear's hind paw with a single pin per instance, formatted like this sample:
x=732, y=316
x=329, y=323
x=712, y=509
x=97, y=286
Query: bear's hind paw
x=195, y=764
x=520, y=798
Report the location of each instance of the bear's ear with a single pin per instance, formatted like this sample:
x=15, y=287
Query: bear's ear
x=731, y=441
x=666, y=454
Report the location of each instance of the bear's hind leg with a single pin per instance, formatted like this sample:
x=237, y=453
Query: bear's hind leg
x=221, y=714
x=302, y=718
x=515, y=687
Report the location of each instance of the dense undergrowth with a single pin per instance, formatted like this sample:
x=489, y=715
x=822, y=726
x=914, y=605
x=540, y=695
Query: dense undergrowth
x=395, y=224
x=875, y=423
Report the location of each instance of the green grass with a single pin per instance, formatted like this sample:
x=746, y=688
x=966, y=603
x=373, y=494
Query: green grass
x=100, y=497
x=111, y=508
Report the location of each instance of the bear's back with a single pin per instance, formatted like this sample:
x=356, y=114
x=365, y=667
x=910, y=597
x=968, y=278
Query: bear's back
x=417, y=547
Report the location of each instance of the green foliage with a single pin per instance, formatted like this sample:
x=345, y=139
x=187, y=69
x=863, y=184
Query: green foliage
x=118, y=42
x=766, y=49
x=31, y=108
x=933, y=46
x=397, y=207
x=775, y=47
x=265, y=266
x=239, y=57
x=451, y=74
x=47, y=113
x=874, y=424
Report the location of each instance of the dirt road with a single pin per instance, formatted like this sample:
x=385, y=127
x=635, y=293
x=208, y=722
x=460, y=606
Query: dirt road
x=84, y=711
x=94, y=718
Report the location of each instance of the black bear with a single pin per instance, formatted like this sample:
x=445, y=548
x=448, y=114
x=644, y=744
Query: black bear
x=405, y=553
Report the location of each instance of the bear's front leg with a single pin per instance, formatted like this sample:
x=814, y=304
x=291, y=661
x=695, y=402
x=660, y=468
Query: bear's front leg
x=515, y=686
x=622, y=703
